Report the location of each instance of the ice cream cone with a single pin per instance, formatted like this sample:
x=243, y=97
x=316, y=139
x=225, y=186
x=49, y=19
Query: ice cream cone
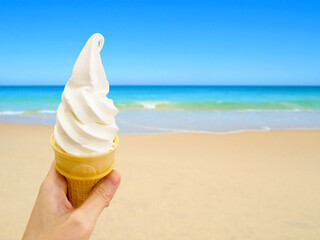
x=82, y=172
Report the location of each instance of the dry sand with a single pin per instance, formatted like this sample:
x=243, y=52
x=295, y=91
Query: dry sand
x=252, y=185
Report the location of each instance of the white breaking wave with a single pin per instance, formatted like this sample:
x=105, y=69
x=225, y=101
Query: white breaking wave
x=11, y=112
x=47, y=111
x=152, y=105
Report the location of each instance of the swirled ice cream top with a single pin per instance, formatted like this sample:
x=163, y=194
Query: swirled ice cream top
x=85, y=122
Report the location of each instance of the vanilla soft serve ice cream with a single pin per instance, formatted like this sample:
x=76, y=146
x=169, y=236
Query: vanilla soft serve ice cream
x=85, y=122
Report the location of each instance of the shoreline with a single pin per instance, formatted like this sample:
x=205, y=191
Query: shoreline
x=185, y=131
x=161, y=121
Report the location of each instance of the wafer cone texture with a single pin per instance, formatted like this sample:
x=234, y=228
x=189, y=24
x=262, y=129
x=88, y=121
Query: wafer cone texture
x=82, y=172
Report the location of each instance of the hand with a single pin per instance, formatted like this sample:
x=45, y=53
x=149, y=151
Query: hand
x=53, y=216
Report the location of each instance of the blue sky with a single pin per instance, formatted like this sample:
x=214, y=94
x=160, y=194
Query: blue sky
x=164, y=42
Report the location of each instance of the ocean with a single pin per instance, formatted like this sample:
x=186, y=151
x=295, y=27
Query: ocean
x=148, y=109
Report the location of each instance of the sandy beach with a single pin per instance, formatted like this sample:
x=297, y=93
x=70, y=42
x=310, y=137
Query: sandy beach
x=249, y=185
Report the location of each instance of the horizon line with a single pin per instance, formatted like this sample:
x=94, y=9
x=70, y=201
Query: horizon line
x=177, y=85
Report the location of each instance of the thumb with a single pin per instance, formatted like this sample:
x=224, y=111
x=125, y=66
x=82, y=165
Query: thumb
x=101, y=196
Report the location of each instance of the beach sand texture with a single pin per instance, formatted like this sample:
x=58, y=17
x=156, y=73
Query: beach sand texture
x=250, y=185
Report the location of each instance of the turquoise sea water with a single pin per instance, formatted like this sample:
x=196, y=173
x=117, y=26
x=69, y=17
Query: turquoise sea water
x=214, y=98
x=179, y=108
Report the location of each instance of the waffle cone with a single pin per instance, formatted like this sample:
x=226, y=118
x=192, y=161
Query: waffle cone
x=82, y=172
